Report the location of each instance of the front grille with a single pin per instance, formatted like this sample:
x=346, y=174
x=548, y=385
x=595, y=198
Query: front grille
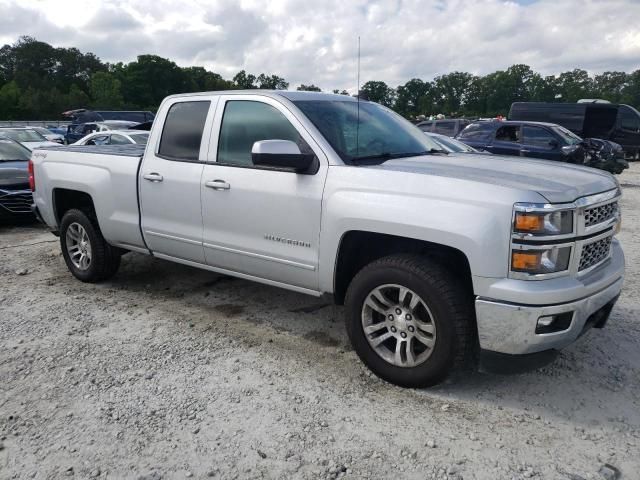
x=594, y=253
x=18, y=202
x=596, y=215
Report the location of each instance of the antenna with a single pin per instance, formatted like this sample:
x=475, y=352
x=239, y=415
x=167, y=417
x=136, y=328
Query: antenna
x=358, y=102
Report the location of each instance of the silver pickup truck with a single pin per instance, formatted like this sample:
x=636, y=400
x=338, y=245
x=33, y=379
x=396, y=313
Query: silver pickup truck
x=441, y=260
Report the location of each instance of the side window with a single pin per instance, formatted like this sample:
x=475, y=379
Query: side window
x=99, y=140
x=119, y=140
x=538, y=136
x=508, y=133
x=245, y=122
x=446, y=128
x=182, y=132
x=629, y=120
x=476, y=131
x=425, y=127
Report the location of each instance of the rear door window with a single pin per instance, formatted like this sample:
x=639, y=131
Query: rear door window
x=477, y=131
x=538, y=136
x=629, y=120
x=182, y=132
x=446, y=128
x=508, y=133
x=119, y=140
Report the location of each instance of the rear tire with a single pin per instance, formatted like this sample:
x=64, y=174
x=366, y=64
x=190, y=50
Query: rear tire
x=87, y=254
x=430, y=310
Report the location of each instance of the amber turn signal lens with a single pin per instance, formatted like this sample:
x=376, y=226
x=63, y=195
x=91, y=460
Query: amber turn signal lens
x=527, y=222
x=524, y=261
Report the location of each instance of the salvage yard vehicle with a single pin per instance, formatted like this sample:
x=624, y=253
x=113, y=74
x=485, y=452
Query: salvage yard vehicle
x=448, y=127
x=540, y=140
x=588, y=118
x=449, y=144
x=441, y=260
x=115, y=137
x=26, y=136
x=15, y=195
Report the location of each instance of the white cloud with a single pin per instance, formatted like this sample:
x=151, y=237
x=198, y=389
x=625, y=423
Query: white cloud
x=316, y=42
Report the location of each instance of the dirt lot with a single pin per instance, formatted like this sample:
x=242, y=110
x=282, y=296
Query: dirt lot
x=171, y=372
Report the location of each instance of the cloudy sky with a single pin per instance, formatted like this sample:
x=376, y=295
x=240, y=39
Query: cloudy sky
x=315, y=41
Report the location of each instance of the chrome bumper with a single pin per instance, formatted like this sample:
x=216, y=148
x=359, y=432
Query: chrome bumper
x=510, y=328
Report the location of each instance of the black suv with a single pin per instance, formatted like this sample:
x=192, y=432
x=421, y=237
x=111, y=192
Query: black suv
x=543, y=140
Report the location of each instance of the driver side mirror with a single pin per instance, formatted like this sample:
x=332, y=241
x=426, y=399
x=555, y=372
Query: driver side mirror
x=553, y=143
x=281, y=154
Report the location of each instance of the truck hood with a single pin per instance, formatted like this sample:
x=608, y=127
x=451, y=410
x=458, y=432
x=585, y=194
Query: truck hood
x=556, y=181
x=13, y=174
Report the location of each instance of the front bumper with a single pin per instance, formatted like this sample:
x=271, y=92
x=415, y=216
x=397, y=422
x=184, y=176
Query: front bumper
x=507, y=327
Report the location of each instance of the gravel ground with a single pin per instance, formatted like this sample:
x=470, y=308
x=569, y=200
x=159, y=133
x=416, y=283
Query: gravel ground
x=171, y=372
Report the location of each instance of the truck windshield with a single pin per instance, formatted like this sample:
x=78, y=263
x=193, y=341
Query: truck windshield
x=567, y=135
x=373, y=135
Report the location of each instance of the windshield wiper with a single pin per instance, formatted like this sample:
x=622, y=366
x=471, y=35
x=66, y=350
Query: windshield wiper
x=389, y=155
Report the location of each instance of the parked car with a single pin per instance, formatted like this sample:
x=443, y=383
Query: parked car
x=449, y=127
x=82, y=115
x=76, y=132
x=15, y=194
x=27, y=136
x=49, y=135
x=608, y=121
x=536, y=140
x=433, y=255
x=115, y=137
x=449, y=144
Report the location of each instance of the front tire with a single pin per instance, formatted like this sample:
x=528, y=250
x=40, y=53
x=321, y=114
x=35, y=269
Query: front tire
x=409, y=320
x=87, y=254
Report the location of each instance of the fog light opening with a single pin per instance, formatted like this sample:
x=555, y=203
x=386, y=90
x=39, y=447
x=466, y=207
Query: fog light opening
x=554, y=323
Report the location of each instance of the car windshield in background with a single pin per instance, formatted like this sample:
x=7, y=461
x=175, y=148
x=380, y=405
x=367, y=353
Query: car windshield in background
x=567, y=135
x=380, y=135
x=42, y=131
x=140, y=138
x=23, y=135
x=11, y=151
x=452, y=145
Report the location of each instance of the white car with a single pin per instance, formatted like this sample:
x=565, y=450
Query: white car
x=49, y=135
x=115, y=137
x=27, y=137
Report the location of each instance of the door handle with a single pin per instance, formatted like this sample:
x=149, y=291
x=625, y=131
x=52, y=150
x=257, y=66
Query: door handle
x=217, y=185
x=525, y=151
x=153, y=177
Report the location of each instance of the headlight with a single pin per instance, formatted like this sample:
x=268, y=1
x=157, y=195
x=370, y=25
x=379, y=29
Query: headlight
x=540, y=223
x=536, y=262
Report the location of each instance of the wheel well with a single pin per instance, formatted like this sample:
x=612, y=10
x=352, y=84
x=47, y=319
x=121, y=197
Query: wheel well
x=64, y=200
x=358, y=249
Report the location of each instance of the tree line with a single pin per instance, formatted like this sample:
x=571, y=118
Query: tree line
x=39, y=81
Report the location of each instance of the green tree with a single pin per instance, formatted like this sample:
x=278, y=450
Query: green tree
x=412, y=98
x=106, y=91
x=451, y=91
x=340, y=92
x=146, y=81
x=308, y=88
x=244, y=81
x=379, y=92
x=10, y=95
x=610, y=85
x=574, y=85
x=272, y=82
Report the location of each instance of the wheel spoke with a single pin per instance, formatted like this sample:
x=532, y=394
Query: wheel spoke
x=398, y=355
x=374, y=306
x=402, y=295
x=378, y=295
x=425, y=327
x=376, y=327
x=411, y=359
x=375, y=342
x=422, y=338
x=415, y=300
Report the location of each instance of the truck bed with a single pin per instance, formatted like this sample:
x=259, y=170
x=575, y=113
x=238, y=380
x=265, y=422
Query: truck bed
x=133, y=150
x=107, y=173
